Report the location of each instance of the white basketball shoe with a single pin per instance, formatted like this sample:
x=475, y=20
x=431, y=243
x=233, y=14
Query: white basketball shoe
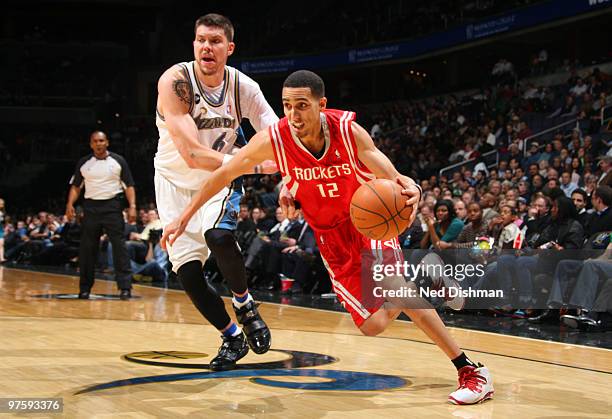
x=475, y=386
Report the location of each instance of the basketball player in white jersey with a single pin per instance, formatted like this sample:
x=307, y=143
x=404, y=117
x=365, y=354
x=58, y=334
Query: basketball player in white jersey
x=199, y=109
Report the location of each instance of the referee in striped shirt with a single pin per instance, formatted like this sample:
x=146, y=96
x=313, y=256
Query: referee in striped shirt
x=105, y=176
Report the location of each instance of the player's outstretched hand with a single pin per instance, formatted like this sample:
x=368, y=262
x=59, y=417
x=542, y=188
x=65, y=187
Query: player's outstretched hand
x=413, y=193
x=286, y=202
x=171, y=232
x=269, y=167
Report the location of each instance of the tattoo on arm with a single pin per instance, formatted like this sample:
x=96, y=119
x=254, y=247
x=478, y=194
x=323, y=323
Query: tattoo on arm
x=183, y=90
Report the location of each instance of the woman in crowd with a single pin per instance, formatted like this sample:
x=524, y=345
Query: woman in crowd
x=446, y=227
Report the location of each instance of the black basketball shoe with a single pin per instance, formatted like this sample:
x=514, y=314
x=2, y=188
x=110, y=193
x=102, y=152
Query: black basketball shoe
x=255, y=329
x=232, y=350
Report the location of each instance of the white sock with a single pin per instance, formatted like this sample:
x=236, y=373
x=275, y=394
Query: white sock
x=238, y=304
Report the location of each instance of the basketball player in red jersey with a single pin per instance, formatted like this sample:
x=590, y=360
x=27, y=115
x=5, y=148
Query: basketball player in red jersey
x=324, y=155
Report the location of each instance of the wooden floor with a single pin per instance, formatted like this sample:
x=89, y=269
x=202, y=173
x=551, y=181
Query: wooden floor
x=57, y=348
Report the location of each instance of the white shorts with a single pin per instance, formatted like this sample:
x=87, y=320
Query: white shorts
x=221, y=211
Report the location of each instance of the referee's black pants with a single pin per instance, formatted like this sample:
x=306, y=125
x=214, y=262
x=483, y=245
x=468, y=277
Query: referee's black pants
x=103, y=215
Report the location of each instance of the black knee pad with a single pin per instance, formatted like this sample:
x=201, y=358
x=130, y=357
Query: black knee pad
x=205, y=299
x=222, y=244
x=220, y=239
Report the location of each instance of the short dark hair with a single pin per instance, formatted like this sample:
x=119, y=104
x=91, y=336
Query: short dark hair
x=604, y=192
x=305, y=78
x=98, y=132
x=216, y=21
x=582, y=193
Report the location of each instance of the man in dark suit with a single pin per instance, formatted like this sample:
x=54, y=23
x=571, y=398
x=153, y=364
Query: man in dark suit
x=605, y=163
x=601, y=219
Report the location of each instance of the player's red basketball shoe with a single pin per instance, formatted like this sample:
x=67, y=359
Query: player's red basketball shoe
x=475, y=386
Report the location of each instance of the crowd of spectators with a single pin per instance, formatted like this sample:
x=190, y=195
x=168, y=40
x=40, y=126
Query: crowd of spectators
x=553, y=195
x=48, y=239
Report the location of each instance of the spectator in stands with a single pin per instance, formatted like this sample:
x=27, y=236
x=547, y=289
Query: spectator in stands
x=475, y=228
x=532, y=170
x=605, y=164
x=495, y=188
x=564, y=232
x=264, y=255
x=245, y=222
x=568, y=109
x=566, y=185
x=467, y=197
x=580, y=88
x=488, y=203
x=580, y=199
x=533, y=155
x=63, y=247
x=138, y=245
x=460, y=210
x=596, y=307
x=601, y=219
x=446, y=227
x=567, y=270
x=524, y=131
x=297, y=259
x=538, y=218
x=155, y=264
x=262, y=222
x=489, y=137
x=523, y=190
x=576, y=170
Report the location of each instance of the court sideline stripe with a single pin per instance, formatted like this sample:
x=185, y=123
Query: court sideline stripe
x=463, y=329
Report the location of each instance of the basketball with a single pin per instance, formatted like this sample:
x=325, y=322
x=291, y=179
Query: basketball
x=378, y=210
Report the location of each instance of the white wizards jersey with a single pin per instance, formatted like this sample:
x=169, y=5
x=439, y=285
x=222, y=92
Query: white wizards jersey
x=217, y=113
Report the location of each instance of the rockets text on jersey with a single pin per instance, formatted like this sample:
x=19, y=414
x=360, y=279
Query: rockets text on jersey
x=323, y=186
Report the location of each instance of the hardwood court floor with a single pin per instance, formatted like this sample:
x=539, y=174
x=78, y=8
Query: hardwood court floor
x=56, y=348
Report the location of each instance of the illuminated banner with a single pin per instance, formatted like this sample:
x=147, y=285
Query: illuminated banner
x=519, y=19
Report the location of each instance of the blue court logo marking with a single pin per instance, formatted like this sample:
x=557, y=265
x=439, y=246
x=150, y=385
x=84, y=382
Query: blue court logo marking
x=338, y=380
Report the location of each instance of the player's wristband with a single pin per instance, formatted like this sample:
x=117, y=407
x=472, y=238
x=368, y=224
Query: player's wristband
x=420, y=191
x=226, y=159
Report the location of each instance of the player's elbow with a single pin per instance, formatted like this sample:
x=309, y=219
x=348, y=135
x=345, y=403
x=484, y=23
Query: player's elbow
x=191, y=163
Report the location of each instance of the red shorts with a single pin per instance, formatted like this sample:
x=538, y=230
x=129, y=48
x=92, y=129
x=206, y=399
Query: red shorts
x=348, y=257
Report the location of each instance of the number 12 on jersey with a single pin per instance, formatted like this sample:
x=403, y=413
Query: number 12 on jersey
x=328, y=190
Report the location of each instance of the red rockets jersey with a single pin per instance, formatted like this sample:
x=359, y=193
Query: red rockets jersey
x=324, y=187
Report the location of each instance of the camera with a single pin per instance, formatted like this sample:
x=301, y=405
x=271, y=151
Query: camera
x=154, y=236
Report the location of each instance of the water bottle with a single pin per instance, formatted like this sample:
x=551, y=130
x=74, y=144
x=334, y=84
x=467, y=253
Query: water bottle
x=406, y=243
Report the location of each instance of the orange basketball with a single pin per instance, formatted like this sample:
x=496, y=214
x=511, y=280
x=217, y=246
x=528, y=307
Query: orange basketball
x=379, y=211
